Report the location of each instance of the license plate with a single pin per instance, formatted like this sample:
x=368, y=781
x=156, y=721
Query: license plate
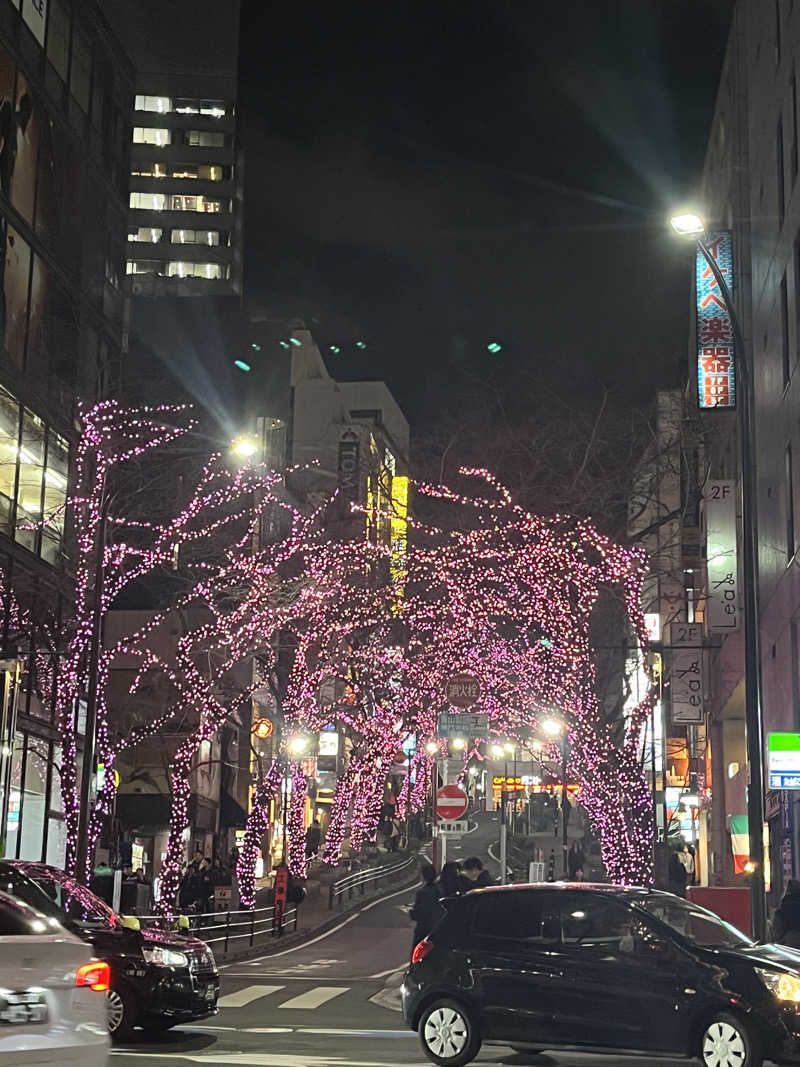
x=20, y=1009
x=210, y=993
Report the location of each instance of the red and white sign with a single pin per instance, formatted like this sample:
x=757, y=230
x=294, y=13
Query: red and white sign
x=451, y=802
x=463, y=690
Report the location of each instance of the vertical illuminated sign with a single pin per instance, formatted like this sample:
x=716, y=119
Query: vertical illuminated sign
x=716, y=367
x=722, y=604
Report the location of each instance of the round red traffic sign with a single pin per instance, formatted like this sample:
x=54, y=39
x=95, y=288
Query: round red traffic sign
x=451, y=802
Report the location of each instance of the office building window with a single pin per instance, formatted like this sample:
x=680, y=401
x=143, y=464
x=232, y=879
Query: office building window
x=198, y=203
x=152, y=135
x=789, y=495
x=784, y=311
x=195, y=237
x=204, y=139
x=58, y=37
x=203, y=172
x=148, y=201
x=214, y=108
x=160, y=104
x=35, y=829
x=197, y=270
x=149, y=170
x=144, y=266
x=149, y=234
x=34, y=468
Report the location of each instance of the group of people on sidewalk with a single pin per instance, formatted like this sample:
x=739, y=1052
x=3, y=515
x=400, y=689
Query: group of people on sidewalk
x=453, y=880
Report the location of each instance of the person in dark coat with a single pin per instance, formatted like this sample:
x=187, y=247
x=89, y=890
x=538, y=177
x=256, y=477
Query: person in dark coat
x=426, y=908
x=313, y=839
x=677, y=875
x=786, y=924
x=452, y=881
x=475, y=873
x=576, y=860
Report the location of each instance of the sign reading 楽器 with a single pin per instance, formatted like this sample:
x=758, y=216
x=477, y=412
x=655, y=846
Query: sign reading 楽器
x=716, y=369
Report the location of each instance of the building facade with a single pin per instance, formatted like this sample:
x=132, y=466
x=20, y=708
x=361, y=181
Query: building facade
x=65, y=89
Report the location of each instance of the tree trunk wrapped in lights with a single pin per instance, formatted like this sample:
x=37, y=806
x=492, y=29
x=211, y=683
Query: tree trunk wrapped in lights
x=256, y=827
x=296, y=849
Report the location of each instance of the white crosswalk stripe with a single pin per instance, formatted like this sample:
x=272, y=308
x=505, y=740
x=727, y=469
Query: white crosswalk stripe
x=313, y=998
x=243, y=997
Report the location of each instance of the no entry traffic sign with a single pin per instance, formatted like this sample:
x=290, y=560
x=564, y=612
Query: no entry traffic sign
x=451, y=802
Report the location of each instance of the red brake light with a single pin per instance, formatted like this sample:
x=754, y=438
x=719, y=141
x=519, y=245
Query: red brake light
x=423, y=949
x=96, y=975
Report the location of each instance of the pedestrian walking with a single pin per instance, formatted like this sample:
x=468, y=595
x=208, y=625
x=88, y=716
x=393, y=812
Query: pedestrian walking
x=686, y=856
x=394, y=835
x=786, y=924
x=476, y=875
x=426, y=909
x=677, y=874
x=575, y=860
x=452, y=881
x=313, y=839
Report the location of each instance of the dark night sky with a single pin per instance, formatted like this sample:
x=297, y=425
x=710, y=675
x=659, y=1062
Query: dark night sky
x=430, y=176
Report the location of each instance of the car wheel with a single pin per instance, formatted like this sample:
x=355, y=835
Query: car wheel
x=448, y=1035
x=121, y=1009
x=727, y=1042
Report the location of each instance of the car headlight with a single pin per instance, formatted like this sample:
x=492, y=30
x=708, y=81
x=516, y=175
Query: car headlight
x=782, y=986
x=162, y=956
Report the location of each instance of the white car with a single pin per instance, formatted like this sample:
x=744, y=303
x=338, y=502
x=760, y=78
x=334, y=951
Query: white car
x=52, y=992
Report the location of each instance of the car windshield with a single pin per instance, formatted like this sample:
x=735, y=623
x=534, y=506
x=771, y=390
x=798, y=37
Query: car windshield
x=55, y=893
x=702, y=927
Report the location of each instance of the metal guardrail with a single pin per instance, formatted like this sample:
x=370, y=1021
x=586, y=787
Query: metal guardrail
x=359, y=880
x=229, y=926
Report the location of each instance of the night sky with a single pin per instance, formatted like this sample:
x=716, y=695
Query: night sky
x=428, y=177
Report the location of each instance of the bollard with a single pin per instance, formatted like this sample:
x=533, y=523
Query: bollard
x=252, y=926
x=227, y=930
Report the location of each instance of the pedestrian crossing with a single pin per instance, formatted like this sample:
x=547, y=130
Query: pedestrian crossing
x=309, y=1000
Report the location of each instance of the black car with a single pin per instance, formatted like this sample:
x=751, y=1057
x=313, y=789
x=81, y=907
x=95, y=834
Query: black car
x=158, y=978
x=600, y=969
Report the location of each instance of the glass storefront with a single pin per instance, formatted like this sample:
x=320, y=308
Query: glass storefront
x=35, y=826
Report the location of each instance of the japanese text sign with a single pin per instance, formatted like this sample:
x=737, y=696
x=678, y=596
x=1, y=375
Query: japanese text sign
x=716, y=369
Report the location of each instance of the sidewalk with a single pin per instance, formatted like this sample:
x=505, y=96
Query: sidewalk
x=315, y=916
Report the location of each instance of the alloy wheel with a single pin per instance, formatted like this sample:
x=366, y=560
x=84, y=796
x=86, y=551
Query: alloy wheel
x=116, y=1010
x=724, y=1046
x=446, y=1033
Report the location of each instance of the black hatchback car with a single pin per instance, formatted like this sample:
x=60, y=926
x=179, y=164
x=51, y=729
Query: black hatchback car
x=600, y=969
x=158, y=978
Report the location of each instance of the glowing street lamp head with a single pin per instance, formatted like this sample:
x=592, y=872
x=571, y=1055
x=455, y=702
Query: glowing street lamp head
x=552, y=727
x=459, y=744
x=509, y=747
x=497, y=751
x=688, y=224
x=431, y=747
x=298, y=745
x=244, y=447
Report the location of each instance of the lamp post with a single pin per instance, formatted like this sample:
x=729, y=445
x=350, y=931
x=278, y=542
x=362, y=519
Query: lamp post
x=558, y=731
x=498, y=752
x=511, y=749
x=693, y=227
x=432, y=748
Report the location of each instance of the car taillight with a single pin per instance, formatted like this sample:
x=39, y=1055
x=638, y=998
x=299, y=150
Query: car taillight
x=96, y=975
x=423, y=949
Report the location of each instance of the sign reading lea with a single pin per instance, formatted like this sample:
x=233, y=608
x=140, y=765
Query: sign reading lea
x=716, y=369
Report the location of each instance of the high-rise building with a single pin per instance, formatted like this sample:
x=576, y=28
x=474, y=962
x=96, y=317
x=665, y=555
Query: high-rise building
x=65, y=91
x=185, y=207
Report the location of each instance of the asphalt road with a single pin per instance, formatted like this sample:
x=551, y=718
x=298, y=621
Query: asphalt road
x=332, y=1002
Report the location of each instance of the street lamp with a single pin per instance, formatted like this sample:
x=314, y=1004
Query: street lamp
x=459, y=744
x=556, y=729
x=432, y=748
x=244, y=447
x=692, y=226
x=298, y=744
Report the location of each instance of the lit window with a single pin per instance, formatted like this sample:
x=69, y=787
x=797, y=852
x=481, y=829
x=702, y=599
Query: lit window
x=205, y=139
x=195, y=237
x=214, y=108
x=149, y=234
x=160, y=104
x=144, y=266
x=149, y=170
x=196, y=203
x=148, y=201
x=183, y=170
x=177, y=269
x=152, y=135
